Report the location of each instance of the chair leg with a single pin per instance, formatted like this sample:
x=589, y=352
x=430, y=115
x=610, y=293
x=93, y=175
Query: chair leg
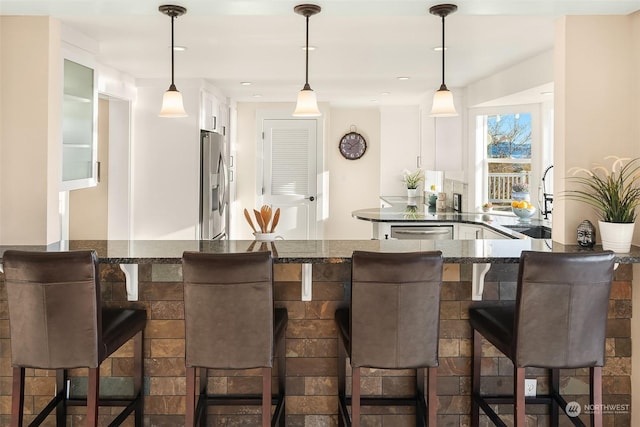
x=17, y=397
x=342, y=383
x=61, y=407
x=518, y=393
x=282, y=378
x=554, y=380
x=421, y=396
x=266, y=397
x=138, y=378
x=92, y=396
x=201, y=401
x=475, y=378
x=190, y=409
x=433, y=397
x=595, y=391
x=355, y=397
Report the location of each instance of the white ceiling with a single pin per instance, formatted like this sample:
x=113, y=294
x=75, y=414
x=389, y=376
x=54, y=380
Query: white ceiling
x=362, y=45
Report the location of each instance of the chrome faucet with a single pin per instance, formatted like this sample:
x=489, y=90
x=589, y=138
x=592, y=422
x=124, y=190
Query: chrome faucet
x=547, y=197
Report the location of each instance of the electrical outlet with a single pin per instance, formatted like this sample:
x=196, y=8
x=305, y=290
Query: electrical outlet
x=530, y=387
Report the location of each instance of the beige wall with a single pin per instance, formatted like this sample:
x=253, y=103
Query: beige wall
x=635, y=126
x=30, y=133
x=353, y=184
x=597, y=98
x=595, y=106
x=88, y=207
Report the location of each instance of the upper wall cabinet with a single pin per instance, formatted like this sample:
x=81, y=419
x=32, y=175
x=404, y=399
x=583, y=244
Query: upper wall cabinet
x=448, y=144
x=79, y=122
x=210, y=112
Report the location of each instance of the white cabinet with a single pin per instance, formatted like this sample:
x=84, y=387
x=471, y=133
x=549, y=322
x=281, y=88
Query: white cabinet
x=468, y=232
x=471, y=232
x=399, y=146
x=210, y=112
x=488, y=233
x=448, y=144
x=223, y=125
x=79, y=121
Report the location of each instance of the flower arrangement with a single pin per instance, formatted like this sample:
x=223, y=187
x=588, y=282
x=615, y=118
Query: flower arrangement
x=520, y=187
x=614, y=193
x=413, y=179
x=487, y=207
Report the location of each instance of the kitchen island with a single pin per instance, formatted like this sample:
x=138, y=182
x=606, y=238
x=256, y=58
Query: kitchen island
x=311, y=343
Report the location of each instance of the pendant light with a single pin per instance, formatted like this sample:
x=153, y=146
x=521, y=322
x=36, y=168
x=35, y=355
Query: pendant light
x=307, y=105
x=443, y=99
x=172, y=105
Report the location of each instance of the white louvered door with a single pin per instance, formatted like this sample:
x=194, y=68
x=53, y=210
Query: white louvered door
x=289, y=175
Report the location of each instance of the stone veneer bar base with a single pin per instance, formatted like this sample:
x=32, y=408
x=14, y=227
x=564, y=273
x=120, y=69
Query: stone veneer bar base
x=311, y=354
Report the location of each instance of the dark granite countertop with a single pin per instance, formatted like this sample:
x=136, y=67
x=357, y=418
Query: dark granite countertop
x=400, y=211
x=498, y=251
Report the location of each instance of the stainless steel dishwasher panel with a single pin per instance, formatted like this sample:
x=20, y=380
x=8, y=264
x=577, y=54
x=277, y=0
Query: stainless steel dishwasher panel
x=422, y=232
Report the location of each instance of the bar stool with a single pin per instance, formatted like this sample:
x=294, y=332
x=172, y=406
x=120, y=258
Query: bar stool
x=57, y=322
x=557, y=321
x=231, y=323
x=392, y=323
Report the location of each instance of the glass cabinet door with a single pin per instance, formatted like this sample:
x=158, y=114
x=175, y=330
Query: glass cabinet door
x=79, y=139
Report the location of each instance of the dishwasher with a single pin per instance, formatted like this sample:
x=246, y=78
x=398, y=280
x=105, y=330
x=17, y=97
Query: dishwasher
x=422, y=232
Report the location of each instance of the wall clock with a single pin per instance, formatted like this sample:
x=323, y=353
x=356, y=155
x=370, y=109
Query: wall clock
x=352, y=146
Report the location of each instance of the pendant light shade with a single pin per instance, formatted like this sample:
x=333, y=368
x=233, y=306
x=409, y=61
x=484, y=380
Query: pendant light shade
x=443, y=104
x=172, y=105
x=443, y=99
x=307, y=105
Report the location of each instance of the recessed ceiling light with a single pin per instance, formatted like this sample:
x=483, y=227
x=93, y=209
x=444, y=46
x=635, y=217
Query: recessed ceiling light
x=310, y=48
x=546, y=93
x=257, y=95
x=439, y=48
x=178, y=48
x=245, y=83
x=385, y=93
x=374, y=100
x=403, y=78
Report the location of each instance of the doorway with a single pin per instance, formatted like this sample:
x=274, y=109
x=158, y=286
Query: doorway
x=103, y=212
x=288, y=175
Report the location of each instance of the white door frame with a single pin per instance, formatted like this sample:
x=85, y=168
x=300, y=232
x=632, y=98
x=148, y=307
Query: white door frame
x=321, y=184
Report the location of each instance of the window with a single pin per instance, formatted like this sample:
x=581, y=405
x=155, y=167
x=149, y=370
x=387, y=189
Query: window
x=507, y=154
x=509, y=144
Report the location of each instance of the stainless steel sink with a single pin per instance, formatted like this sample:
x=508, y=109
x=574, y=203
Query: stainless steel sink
x=534, y=231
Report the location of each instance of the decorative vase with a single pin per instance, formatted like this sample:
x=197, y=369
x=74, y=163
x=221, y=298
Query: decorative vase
x=412, y=193
x=519, y=195
x=616, y=236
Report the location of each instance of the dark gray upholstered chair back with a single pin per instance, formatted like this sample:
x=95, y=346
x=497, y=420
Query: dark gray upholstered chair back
x=228, y=310
x=561, y=309
x=395, y=307
x=54, y=309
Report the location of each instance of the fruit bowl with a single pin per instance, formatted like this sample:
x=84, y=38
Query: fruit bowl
x=524, y=214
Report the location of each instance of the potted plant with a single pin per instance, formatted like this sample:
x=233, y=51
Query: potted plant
x=487, y=207
x=614, y=194
x=520, y=191
x=412, y=181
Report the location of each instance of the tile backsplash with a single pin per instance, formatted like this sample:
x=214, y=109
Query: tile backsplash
x=451, y=186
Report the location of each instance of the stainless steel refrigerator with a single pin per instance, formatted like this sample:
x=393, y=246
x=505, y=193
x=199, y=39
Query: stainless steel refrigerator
x=214, y=186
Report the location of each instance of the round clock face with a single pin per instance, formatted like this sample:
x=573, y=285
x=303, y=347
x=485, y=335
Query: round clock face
x=352, y=146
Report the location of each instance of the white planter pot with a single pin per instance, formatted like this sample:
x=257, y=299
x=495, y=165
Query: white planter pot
x=616, y=236
x=412, y=193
